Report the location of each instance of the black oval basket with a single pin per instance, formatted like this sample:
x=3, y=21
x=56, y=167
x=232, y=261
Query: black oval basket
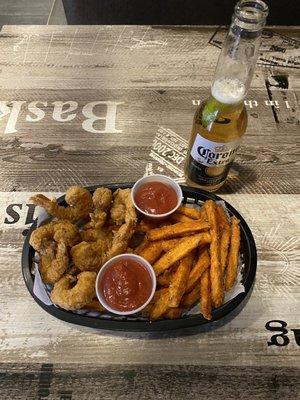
x=190, y=195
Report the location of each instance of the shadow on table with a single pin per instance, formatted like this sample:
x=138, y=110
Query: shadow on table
x=240, y=177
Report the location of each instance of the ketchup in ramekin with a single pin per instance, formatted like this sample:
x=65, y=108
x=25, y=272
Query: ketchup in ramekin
x=156, y=196
x=125, y=284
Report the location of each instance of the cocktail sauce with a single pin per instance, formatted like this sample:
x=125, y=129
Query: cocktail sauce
x=126, y=285
x=156, y=198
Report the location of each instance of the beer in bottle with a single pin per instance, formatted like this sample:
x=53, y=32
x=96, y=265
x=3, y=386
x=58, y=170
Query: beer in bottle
x=221, y=120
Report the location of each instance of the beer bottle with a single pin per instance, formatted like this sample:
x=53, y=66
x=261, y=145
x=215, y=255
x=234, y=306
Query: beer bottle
x=221, y=120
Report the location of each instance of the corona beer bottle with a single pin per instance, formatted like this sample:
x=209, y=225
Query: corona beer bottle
x=221, y=120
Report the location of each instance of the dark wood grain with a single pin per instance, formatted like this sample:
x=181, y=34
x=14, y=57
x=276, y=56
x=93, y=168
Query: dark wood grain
x=145, y=382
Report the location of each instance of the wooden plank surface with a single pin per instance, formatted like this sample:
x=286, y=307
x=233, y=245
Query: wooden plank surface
x=148, y=382
x=156, y=77
x=147, y=82
x=25, y=12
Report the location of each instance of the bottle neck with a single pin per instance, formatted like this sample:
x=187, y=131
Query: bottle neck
x=239, y=53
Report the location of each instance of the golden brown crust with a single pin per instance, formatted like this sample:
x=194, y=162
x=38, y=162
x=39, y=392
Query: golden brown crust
x=216, y=276
x=184, y=247
x=73, y=293
x=177, y=230
x=191, y=298
x=192, y=213
x=179, y=280
x=160, y=305
x=177, y=217
x=203, y=262
x=224, y=237
x=54, y=262
x=79, y=202
x=233, y=258
x=205, y=294
x=173, y=313
x=94, y=305
x=151, y=252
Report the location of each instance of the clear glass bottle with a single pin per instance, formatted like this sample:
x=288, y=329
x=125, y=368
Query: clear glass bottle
x=221, y=120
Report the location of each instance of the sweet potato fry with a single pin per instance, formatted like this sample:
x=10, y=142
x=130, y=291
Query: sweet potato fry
x=164, y=279
x=160, y=306
x=233, y=258
x=176, y=217
x=179, y=280
x=173, y=313
x=224, y=237
x=216, y=277
x=167, y=245
x=205, y=294
x=184, y=247
x=191, y=298
x=151, y=252
x=224, y=247
x=146, y=310
x=223, y=220
x=177, y=230
x=201, y=265
x=192, y=212
x=158, y=294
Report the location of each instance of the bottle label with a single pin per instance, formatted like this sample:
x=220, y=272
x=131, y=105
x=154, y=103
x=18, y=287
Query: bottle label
x=210, y=162
x=213, y=154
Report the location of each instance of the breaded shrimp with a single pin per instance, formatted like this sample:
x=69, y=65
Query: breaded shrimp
x=92, y=235
x=59, y=231
x=102, y=199
x=54, y=262
x=123, y=209
x=73, y=293
x=120, y=240
x=79, y=201
x=89, y=256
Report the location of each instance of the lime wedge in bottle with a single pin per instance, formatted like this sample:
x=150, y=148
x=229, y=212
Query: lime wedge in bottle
x=211, y=110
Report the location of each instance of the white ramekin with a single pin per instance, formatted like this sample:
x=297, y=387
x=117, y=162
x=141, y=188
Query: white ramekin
x=113, y=260
x=157, y=178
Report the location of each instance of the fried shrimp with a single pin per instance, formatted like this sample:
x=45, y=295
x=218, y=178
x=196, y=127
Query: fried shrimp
x=73, y=293
x=123, y=209
x=89, y=256
x=92, y=235
x=102, y=199
x=59, y=231
x=79, y=201
x=42, y=237
x=120, y=240
x=65, y=231
x=54, y=262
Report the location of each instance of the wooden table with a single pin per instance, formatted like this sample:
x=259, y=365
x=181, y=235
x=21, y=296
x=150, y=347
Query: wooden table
x=91, y=105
